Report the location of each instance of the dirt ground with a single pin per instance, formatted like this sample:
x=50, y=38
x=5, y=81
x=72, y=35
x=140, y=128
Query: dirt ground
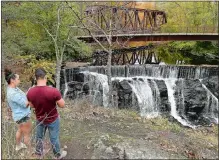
x=83, y=125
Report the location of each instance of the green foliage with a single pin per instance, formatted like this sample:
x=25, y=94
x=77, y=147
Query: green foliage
x=76, y=48
x=190, y=16
x=23, y=29
x=48, y=66
x=205, y=52
x=31, y=64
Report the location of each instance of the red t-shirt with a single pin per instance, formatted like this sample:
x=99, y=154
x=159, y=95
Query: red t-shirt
x=44, y=100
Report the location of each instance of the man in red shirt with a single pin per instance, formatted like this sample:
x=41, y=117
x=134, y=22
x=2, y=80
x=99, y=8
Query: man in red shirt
x=44, y=99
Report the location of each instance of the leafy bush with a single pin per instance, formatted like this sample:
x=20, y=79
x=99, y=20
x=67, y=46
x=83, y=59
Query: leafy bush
x=32, y=64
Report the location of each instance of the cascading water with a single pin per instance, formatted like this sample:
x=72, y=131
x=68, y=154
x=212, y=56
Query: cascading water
x=211, y=109
x=96, y=81
x=170, y=83
x=154, y=92
x=181, y=98
x=66, y=85
x=144, y=95
x=156, y=96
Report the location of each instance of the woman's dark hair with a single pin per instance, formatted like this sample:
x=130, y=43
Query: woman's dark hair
x=9, y=75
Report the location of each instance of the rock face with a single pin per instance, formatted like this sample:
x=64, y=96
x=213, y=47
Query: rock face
x=191, y=99
x=212, y=83
x=126, y=99
x=127, y=149
x=193, y=96
x=165, y=105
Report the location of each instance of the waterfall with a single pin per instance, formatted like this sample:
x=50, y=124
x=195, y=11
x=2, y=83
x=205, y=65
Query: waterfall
x=151, y=70
x=211, y=108
x=197, y=73
x=118, y=71
x=156, y=95
x=143, y=92
x=66, y=85
x=151, y=89
x=96, y=81
x=170, y=83
x=173, y=72
x=182, y=98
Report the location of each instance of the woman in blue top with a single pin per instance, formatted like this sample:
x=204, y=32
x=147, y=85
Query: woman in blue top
x=19, y=106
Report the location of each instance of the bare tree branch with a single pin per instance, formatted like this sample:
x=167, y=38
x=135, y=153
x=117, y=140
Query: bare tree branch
x=87, y=28
x=63, y=49
x=107, y=37
x=58, y=23
x=54, y=40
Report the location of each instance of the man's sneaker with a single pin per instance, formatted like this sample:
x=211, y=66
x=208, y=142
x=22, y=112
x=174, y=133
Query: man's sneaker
x=21, y=146
x=63, y=154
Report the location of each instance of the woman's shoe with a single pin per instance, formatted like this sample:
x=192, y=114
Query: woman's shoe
x=20, y=146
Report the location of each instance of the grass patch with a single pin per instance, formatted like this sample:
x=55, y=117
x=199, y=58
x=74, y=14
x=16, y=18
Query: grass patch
x=127, y=113
x=163, y=124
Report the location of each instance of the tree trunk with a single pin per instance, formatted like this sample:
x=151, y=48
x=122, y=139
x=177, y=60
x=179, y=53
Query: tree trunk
x=58, y=70
x=109, y=73
x=109, y=76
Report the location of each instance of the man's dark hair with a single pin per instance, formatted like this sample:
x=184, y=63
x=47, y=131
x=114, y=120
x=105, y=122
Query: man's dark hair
x=40, y=73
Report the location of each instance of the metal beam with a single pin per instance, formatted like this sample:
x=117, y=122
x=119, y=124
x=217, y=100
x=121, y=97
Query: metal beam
x=157, y=37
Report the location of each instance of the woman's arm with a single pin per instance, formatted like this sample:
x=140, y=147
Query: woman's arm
x=20, y=99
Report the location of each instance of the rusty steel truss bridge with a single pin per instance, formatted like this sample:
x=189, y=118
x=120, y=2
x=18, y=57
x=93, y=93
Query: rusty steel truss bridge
x=139, y=25
x=133, y=55
x=122, y=23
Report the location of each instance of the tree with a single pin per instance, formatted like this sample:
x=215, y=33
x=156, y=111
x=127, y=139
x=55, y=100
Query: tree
x=90, y=25
x=190, y=16
x=197, y=53
x=43, y=29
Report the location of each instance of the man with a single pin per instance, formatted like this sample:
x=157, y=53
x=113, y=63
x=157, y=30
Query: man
x=44, y=99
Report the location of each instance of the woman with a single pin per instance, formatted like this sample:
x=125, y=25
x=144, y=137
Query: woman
x=19, y=106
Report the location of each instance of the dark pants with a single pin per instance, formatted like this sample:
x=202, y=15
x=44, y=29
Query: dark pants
x=53, y=135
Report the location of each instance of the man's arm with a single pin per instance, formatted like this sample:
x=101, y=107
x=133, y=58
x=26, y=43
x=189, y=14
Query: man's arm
x=61, y=103
x=58, y=98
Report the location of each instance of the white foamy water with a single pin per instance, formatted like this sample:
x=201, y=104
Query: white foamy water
x=145, y=99
x=170, y=83
x=104, y=82
x=157, y=96
x=66, y=85
x=211, y=108
x=99, y=79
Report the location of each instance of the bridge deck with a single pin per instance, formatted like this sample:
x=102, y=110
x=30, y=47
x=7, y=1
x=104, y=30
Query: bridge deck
x=158, y=37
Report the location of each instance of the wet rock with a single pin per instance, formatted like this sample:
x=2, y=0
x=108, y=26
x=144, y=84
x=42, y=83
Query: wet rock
x=212, y=83
x=125, y=86
x=165, y=105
